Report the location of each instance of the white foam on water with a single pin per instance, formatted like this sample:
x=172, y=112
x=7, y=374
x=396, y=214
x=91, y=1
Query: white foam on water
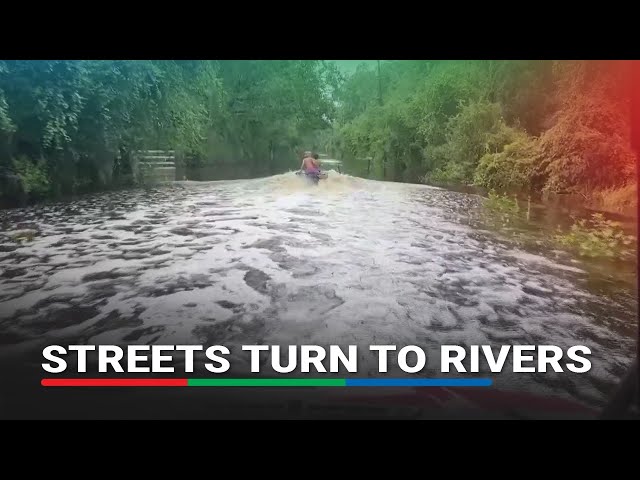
x=279, y=261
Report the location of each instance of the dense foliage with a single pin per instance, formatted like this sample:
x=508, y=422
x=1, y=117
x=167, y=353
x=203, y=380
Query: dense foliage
x=523, y=126
x=518, y=126
x=71, y=126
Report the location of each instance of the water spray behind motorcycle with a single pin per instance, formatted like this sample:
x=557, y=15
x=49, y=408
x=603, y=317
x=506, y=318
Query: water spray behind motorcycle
x=312, y=177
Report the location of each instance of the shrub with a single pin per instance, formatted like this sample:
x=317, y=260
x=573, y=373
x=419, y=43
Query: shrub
x=597, y=237
x=518, y=167
x=34, y=177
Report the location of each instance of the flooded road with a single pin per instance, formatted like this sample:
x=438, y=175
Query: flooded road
x=272, y=261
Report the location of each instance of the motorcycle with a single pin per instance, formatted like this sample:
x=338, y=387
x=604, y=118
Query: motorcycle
x=312, y=177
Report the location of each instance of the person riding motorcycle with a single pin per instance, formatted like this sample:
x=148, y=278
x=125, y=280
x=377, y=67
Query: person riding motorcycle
x=310, y=164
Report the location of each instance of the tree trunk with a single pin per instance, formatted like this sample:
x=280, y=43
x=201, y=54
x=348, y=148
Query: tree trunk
x=271, y=156
x=5, y=150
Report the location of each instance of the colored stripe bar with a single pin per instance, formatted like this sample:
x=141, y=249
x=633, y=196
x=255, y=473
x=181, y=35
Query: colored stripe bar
x=419, y=382
x=266, y=382
x=114, y=382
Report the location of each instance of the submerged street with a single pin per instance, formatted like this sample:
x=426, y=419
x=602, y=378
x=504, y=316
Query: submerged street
x=272, y=261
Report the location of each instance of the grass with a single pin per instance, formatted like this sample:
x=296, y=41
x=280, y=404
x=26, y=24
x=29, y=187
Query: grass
x=597, y=237
x=617, y=199
x=23, y=236
x=501, y=203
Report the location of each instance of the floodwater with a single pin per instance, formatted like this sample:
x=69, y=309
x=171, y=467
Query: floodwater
x=275, y=261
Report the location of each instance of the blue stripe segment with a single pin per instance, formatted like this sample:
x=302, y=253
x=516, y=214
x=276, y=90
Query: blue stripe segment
x=418, y=382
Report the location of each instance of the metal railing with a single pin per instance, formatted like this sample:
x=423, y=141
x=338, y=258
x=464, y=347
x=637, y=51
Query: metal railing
x=155, y=166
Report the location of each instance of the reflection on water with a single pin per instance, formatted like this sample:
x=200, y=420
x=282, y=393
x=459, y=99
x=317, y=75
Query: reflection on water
x=275, y=261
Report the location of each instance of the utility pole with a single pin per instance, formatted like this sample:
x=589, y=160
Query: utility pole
x=379, y=85
x=384, y=155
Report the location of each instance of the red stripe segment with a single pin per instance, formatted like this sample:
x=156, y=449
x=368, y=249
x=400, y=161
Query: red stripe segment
x=114, y=382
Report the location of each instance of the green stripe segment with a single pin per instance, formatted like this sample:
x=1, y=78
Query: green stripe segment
x=266, y=382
